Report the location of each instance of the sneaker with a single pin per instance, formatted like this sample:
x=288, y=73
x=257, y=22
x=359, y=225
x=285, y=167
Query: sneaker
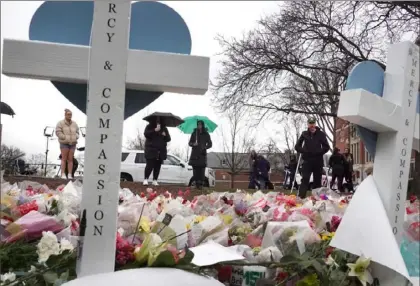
x=155, y=183
x=63, y=177
x=70, y=177
x=145, y=183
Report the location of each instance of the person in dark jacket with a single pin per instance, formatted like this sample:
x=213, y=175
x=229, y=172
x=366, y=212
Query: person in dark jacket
x=312, y=144
x=262, y=170
x=348, y=169
x=155, y=151
x=293, y=165
x=337, y=162
x=252, y=162
x=199, y=142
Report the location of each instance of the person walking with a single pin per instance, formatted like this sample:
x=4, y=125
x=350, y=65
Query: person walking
x=348, y=169
x=262, y=171
x=252, y=169
x=200, y=142
x=312, y=144
x=155, y=151
x=293, y=166
x=337, y=162
x=67, y=133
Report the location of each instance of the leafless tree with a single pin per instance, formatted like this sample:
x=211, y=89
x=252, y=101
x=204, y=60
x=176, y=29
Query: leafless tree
x=179, y=152
x=297, y=60
x=38, y=161
x=136, y=143
x=9, y=155
x=292, y=129
x=238, y=142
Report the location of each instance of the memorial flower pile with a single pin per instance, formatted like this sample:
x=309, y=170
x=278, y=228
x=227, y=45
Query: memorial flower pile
x=279, y=238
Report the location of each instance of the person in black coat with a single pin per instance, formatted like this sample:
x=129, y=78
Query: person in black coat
x=293, y=165
x=312, y=144
x=199, y=142
x=252, y=162
x=155, y=151
x=337, y=162
x=262, y=170
x=348, y=169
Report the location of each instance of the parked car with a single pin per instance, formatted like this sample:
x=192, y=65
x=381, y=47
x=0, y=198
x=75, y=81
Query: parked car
x=173, y=171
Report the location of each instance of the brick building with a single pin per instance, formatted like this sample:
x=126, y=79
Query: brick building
x=218, y=161
x=347, y=137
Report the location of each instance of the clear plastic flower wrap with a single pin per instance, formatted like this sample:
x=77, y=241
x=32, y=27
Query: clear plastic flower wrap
x=289, y=236
x=129, y=215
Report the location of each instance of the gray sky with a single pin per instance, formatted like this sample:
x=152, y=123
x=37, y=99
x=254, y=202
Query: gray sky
x=38, y=104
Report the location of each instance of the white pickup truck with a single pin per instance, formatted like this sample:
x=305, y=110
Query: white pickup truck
x=173, y=171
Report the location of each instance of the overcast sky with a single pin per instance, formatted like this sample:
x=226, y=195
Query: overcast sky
x=38, y=104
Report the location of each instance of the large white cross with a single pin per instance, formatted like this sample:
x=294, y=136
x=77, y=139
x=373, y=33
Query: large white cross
x=395, y=119
x=109, y=67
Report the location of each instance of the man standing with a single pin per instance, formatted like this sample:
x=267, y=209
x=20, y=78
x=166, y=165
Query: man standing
x=312, y=144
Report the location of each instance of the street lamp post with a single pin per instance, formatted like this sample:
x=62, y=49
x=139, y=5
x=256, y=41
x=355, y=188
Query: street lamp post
x=48, y=133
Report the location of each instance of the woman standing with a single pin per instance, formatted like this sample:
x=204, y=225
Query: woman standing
x=157, y=138
x=337, y=163
x=200, y=141
x=67, y=133
x=348, y=169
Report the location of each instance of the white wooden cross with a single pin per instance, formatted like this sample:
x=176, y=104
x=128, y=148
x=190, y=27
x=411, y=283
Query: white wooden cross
x=397, y=123
x=109, y=67
x=395, y=119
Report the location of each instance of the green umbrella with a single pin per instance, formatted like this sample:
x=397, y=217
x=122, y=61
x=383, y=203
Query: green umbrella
x=190, y=123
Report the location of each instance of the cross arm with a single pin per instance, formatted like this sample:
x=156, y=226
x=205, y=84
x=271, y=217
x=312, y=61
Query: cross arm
x=148, y=71
x=368, y=110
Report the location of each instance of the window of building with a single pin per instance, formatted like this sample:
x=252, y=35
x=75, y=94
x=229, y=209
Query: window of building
x=412, y=166
x=368, y=158
x=355, y=150
x=223, y=162
x=353, y=131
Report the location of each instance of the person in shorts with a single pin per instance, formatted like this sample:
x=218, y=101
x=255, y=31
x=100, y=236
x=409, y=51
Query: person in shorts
x=67, y=133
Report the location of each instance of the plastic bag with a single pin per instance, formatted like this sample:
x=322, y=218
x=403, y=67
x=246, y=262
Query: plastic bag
x=289, y=236
x=34, y=223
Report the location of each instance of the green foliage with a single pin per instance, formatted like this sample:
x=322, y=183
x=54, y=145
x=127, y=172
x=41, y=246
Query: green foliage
x=17, y=255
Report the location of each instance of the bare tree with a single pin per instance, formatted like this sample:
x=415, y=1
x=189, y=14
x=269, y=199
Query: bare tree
x=38, y=161
x=136, y=143
x=179, y=152
x=237, y=144
x=292, y=129
x=9, y=155
x=297, y=60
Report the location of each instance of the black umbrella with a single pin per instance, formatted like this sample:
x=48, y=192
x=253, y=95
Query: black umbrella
x=6, y=109
x=166, y=118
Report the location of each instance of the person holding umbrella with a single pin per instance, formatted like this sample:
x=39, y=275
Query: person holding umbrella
x=199, y=142
x=157, y=138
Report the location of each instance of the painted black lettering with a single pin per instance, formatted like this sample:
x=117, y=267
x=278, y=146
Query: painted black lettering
x=97, y=230
x=101, y=170
x=103, y=124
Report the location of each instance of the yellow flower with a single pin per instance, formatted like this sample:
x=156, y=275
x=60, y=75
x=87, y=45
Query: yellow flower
x=144, y=224
x=327, y=235
x=142, y=253
x=227, y=219
x=188, y=226
x=298, y=205
x=359, y=270
x=199, y=219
